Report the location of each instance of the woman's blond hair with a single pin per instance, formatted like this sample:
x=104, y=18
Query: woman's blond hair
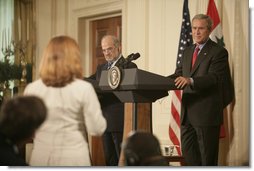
x=61, y=62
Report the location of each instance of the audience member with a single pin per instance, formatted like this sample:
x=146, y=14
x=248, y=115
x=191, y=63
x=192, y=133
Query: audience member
x=143, y=149
x=20, y=117
x=74, y=109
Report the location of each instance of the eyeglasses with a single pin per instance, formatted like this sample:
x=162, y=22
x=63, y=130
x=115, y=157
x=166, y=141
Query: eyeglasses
x=110, y=50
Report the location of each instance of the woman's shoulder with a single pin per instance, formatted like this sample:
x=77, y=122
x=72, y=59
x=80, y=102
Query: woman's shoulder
x=35, y=83
x=34, y=86
x=81, y=83
x=80, y=87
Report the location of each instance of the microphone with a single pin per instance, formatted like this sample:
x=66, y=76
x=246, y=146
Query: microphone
x=132, y=57
x=123, y=62
x=128, y=59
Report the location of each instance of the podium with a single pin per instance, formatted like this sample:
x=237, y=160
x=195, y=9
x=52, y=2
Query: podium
x=137, y=89
x=138, y=86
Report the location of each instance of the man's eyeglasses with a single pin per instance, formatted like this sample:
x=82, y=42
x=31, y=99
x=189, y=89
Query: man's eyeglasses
x=110, y=49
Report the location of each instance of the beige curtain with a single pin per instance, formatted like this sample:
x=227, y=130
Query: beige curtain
x=234, y=149
x=6, y=24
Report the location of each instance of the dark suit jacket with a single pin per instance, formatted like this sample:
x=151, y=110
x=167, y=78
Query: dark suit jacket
x=212, y=90
x=8, y=157
x=112, y=107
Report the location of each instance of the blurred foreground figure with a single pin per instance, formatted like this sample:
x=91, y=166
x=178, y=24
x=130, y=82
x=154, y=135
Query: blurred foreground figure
x=143, y=149
x=20, y=117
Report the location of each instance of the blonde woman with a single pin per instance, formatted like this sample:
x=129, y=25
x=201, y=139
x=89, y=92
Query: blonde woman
x=73, y=107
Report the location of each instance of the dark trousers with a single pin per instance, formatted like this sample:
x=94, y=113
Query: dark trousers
x=200, y=144
x=112, y=147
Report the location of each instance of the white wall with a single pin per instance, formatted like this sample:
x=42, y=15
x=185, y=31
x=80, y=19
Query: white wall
x=152, y=28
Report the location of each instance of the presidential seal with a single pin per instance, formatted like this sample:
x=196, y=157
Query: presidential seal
x=114, y=77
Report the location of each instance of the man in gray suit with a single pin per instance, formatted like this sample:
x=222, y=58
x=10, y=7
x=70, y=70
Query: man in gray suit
x=207, y=89
x=112, y=107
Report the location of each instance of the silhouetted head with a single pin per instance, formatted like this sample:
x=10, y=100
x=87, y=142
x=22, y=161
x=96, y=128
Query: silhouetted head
x=143, y=149
x=21, y=116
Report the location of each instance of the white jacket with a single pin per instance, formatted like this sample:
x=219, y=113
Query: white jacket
x=61, y=140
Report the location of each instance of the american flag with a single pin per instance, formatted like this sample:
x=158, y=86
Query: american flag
x=185, y=40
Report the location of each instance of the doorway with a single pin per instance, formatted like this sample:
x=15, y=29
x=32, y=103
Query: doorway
x=99, y=28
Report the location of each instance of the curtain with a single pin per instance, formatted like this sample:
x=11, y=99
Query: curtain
x=17, y=42
x=6, y=24
x=24, y=14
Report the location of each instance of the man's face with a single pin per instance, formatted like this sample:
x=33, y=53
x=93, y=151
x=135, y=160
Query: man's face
x=109, y=50
x=200, y=32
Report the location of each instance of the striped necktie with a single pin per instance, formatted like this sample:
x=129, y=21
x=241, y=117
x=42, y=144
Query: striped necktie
x=109, y=65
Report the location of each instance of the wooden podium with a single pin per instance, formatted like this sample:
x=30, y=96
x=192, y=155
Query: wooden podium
x=137, y=89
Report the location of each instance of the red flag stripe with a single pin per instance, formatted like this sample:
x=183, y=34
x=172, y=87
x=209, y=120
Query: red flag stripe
x=175, y=114
x=178, y=94
x=213, y=13
x=175, y=140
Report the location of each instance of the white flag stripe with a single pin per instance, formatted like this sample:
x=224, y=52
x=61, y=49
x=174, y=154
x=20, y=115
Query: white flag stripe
x=176, y=102
x=175, y=127
x=217, y=32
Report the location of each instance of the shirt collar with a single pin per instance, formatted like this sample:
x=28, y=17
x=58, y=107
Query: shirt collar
x=115, y=61
x=202, y=45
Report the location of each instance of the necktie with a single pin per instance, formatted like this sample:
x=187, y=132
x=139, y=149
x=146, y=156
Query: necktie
x=194, y=57
x=109, y=65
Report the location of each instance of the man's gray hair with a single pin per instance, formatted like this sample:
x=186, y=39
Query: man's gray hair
x=114, y=38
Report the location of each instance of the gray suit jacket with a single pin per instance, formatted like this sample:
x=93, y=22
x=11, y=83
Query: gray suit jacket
x=112, y=107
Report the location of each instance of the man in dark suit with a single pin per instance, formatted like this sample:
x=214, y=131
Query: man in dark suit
x=112, y=107
x=207, y=89
x=20, y=117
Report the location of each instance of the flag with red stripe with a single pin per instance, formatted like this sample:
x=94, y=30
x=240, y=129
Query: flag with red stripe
x=184, y=41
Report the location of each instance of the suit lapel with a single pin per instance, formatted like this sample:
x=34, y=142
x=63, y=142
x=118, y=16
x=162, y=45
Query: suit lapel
x=189, y=60
x=120, y=60
x=201, y=56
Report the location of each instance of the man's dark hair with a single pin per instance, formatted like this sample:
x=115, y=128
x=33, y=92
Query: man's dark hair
x=21, y=116
x=143, y=149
